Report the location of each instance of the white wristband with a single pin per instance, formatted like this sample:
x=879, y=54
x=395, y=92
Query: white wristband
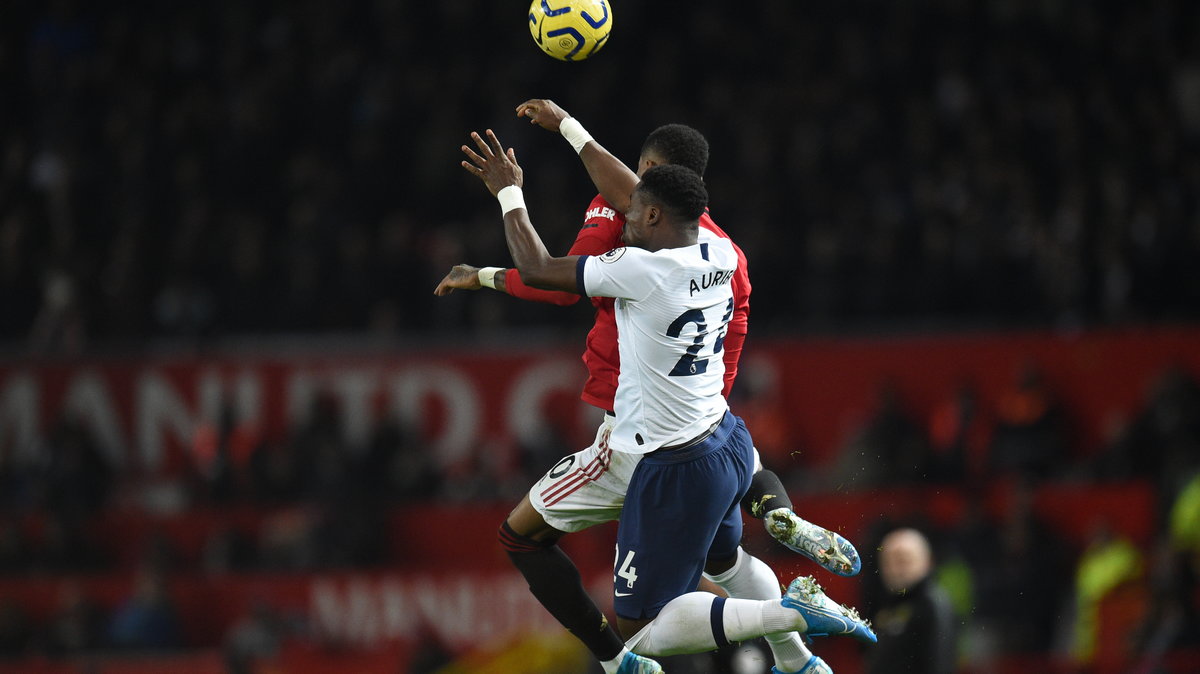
x=510, y=199
x=576, y=135
x=487, y=276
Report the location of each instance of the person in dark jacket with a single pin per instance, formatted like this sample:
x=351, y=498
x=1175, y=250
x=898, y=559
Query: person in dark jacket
x=915, y=622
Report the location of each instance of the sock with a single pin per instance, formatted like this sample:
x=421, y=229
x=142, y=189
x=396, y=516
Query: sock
x=751, y=578
x=611, y=666
x=766, y=493
x=554, y=581
x=699, y=621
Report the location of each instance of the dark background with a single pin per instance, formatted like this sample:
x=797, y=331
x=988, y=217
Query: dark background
x=201, y=170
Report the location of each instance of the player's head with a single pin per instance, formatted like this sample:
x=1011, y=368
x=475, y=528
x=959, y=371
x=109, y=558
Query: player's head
x=667, y=203
x=904, y=559
x=674, y=144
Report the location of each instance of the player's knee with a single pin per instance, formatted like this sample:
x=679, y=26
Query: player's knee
x=514, y=542
x=526, y=521
x=630, y=629
x=715, y=566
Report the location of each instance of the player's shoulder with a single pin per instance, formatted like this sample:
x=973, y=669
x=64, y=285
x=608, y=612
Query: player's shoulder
x=703, y=255
x=709, y=228
x=601, y=214
x=721, y=251
x=635, y=261
x=710, y=231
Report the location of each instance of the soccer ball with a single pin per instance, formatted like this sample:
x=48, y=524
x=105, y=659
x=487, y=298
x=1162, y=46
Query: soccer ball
x=570, y=30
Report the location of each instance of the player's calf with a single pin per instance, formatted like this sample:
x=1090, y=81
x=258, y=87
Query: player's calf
x=554, y=580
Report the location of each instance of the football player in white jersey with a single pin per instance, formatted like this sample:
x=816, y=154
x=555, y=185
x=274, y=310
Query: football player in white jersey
x=692, y=458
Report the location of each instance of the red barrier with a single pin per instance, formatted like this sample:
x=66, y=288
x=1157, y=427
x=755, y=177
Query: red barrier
x=151, y=412
x=446, y=563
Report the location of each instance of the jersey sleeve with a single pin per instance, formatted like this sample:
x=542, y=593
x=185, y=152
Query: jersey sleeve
x=627, y=273
x=513, y=285
x=739, y=325
x=601, y=232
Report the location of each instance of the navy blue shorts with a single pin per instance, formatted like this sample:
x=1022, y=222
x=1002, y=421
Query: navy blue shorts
x=681, y=509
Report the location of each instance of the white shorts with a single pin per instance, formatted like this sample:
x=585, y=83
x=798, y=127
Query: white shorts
x=588, y=487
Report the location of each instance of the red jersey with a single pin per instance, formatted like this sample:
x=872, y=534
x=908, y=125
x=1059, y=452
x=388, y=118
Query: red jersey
x=601, y=232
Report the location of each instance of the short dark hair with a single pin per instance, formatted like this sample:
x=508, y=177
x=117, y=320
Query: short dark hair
x=677, y=189
x=679, y=144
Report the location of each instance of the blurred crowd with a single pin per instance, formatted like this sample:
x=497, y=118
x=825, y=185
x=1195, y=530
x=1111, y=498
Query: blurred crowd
x=199, y=170
x=324, y=504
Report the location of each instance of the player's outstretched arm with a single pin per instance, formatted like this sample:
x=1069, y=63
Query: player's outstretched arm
x=612, y=178
x=466, y=277
x=499, y=171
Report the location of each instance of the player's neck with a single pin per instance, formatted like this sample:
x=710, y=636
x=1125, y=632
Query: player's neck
x=673, y=238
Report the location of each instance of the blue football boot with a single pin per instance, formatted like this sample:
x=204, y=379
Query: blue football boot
x=824, y=616
x=636, y=664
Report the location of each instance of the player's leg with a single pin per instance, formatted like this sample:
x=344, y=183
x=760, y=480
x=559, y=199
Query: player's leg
x=581, y=490
x=690, y=494
x=748, y=577
x=767, y=500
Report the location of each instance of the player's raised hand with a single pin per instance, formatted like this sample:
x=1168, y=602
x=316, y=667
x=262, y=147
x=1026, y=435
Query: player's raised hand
x=493, y=165
x=461, y=277
x=543, y=112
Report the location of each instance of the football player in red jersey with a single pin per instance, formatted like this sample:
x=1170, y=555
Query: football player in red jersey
x=586, y=488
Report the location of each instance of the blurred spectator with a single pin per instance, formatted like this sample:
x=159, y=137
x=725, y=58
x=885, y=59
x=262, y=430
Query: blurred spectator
x=958, y=435
x=324, y=461
x=15, y=554
x=228, y=550
x=223, y=452
x=1172, y=618
x=15, y=630
x=888, y=450
x=1107, y=563
x=1162, y=443
x=431, y=654
x=76, y=477
x=77, y=625
x=147, y=619
x=59, y=325
x=286, y=540
x=276, y=473
x=67, y=546
x=916, y=625
x=756, y=400
x=1026, y=559
x=257, y=635
x=1030, y=436
x=397, y=467
x=350, y=533
x=1184, y=518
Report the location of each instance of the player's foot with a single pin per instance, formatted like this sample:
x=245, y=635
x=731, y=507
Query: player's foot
x=823, y=546
x=814, y=665
x=824, y=616
x=636, y=664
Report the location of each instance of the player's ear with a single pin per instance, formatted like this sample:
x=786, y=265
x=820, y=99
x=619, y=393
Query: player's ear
x=653, y=213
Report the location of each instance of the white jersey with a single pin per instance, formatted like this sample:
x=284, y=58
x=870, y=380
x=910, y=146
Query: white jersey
x=672, y=311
